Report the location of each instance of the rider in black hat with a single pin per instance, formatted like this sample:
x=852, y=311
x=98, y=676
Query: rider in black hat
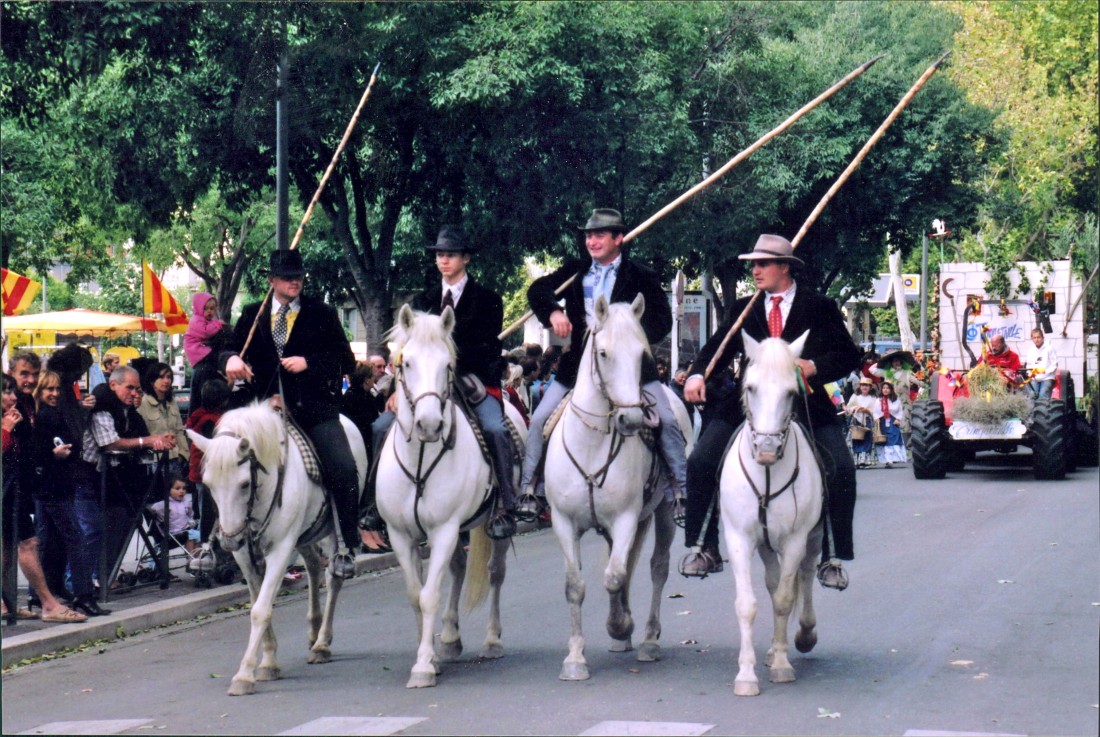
x=479, y=316
x=299, y=349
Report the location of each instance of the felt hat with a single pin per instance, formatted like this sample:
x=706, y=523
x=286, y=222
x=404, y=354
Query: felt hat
x=453, y=239
x=772, y=248
x=605, y=218
x=286, y=264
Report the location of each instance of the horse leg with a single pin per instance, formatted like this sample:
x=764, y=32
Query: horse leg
x=313, y=613
x=409, y=558
x=450, y=639
x=574, y=668
x=806, y=638
x=782, y=575
x=262, y=593
x=664, y=531
x=627, y=538
x=494, y=647
x=321, y=645
x=443, y=544
x=741, y=549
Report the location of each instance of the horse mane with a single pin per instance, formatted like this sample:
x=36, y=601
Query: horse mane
x=428, y=331
x=257, y=423
x=620, y=324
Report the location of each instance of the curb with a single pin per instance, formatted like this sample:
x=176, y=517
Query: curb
x=137, y=619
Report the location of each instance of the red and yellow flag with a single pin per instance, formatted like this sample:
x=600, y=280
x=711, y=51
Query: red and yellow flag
x=159, y=299
x=19, y=292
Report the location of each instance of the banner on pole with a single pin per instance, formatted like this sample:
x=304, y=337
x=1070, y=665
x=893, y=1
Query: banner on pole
x=18, y=292
x=158, y=299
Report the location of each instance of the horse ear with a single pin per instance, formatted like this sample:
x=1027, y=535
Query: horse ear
x=751, y=346
x=638, y=306
x=198, y=441
x=799, y=344
x=448, y=319
x=601, y=308
x=405, y=318
x=244, y=446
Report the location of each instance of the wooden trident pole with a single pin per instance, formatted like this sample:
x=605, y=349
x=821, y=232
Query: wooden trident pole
x=829, y=195
x=317, y=195
x=719, y=173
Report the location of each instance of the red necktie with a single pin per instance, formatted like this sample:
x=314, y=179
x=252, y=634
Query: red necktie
x=448, y=300
x=775, y=318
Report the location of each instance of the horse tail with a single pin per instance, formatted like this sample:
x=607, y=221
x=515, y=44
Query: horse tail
x=477, y=569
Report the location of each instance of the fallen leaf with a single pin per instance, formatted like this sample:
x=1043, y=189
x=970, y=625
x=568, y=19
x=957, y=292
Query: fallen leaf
x=215, y=675
x=680, y=614
x=703, y=650
x=1053, y=545
x=689, y=642
x=962, y=662
x=893, y=649
x=632, y=670
x=823, y=713
x=918, y=514
x=981, y=676
x=676, y=596
x=223, y=716
x=87, y=690
x=1005, y=580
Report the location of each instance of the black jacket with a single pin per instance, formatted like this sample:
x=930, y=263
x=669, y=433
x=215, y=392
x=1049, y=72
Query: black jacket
x=312, y=396
x=479, y=318
x=631, y=280
x=829, y=345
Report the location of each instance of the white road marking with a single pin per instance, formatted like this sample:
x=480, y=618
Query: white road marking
x=99, y=726
x=648, y=729
x=379, y=726
x=949, y=733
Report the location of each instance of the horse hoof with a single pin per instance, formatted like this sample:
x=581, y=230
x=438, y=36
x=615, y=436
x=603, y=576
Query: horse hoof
x=746, y=688
x=649, y=652
x=621, y=646
x=268, y=674
x=241, y=687
x=449, y=651
x=805, y=640
x=781, y=675
x=421, y=680
x=317, y=657
x=492, y=652
x=573, y=672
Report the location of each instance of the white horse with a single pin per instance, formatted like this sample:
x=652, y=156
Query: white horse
x=771, y=492
x=268, y=507
x=601, y=474
x=433, y=481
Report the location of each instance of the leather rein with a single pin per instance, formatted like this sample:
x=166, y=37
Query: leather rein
x=764, y=498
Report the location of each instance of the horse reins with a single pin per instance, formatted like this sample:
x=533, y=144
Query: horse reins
x=252, y=532
x=763, y=500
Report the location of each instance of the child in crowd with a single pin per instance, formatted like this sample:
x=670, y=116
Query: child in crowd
x=864, y=410
x=181, y=519
x=204, y=420
x=198, y=342
x=891, y=409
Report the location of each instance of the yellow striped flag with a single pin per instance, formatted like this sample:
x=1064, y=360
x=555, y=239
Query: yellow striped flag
x=19, y=292
x=159, y=299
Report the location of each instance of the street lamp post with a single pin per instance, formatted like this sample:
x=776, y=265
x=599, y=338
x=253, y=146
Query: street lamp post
x=939, y=228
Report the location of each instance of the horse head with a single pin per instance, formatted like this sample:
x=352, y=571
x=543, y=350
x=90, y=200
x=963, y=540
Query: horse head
x=770, y=385
x=616, y=347
x=246, y=446
x=425, y=371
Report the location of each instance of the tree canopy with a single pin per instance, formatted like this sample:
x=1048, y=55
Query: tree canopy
x=154, y=123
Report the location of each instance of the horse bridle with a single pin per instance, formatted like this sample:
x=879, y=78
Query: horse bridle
x=420, y=477
x=599, y=476
x=248, y=528
x=764, y=498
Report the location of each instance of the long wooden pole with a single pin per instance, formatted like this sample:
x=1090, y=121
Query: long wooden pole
x=829, y=195
x=317, y=195
x=719, y=173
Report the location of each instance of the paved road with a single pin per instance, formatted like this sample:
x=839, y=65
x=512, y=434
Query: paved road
x=973, y=608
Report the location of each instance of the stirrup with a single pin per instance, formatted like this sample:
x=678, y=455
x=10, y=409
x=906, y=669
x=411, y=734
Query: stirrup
x=527, y=508
x=831, y=575
x=679, y=512
x=700, y=564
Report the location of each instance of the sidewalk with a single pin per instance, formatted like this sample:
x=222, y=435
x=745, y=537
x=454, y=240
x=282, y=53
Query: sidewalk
x=142, y=609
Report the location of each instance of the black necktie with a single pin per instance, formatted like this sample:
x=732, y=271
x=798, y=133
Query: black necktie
x=448, y=300
x=279, y=332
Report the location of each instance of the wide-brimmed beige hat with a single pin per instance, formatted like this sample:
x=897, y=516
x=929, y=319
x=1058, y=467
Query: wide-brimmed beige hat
x=772, y=248
x=604, y=218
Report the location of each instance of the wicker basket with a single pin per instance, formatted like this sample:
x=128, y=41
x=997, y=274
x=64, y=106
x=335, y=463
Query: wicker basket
x=859, y=432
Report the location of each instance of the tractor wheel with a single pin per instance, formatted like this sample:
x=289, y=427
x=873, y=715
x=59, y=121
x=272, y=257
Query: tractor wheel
x=1071, y=439
x=1048, y=425
x=929, y=440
